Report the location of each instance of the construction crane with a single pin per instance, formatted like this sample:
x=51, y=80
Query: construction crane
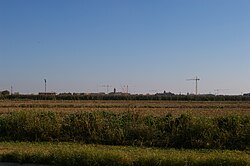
x=107, y=86
x=196, y=79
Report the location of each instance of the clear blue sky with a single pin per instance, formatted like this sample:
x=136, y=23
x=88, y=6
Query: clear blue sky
x=148, y=45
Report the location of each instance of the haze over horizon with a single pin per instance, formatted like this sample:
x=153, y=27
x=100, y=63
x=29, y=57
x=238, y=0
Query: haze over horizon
x=151, y=46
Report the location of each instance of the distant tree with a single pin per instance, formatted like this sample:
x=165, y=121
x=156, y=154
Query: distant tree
x=5, y=93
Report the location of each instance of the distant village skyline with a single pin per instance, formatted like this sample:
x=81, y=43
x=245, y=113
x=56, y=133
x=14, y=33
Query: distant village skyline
x=122, y=90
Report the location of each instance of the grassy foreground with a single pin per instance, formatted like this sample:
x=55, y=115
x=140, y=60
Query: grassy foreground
x=82, y=154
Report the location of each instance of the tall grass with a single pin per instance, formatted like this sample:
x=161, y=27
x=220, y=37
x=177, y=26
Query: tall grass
x=89, y=155
x=185, y=131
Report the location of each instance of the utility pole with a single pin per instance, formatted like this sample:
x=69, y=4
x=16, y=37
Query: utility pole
x=11, y=90
x=196, y=79
x=45, y=84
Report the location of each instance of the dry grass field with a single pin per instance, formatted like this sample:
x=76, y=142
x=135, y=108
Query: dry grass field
x=144, y=107
x=66, y=132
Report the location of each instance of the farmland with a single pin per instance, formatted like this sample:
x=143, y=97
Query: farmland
x=147, y=107
x=125, y=132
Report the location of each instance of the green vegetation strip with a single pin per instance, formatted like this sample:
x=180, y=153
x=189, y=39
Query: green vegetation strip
x=128, y=97
x=106, y=128
x=81, y=154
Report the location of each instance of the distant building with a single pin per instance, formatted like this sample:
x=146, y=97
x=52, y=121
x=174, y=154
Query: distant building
x=65, y=94
x=47, y=93
x=115, y=93
x=78, y=94
x=118, y=94
x=96, y=94
x=165, y=94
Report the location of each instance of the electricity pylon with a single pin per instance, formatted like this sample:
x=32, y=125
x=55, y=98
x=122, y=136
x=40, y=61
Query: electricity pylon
x=107, y=86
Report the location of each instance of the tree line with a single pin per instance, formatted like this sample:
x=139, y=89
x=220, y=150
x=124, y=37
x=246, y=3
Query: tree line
x=7, y=95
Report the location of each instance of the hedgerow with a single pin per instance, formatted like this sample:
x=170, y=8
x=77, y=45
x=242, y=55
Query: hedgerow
x=185, y=131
